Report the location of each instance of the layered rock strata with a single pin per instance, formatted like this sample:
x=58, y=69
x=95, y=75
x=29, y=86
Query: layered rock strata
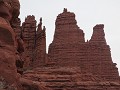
x=72, y=63
x=64, y=78
x=69, y=48
x=28, y=33
x=34, y=37
x=68, y=41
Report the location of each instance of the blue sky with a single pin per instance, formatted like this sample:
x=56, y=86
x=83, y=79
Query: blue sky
x=88, y=14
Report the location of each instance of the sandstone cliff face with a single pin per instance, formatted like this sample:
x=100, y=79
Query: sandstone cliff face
x=9, y=78
x=72, y=63
x=69, y=48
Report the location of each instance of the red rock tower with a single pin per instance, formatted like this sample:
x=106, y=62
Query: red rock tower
x=98, y=36
x=29, y=34
x=35, y=42
x=72, y=63
x=40, y=46
x=99, y=56
x=64, y=49
x=69, y=49
x=66, y=30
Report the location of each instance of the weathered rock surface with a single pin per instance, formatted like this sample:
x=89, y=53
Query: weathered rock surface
x=71, y=63
x=35, y=42
x=49, y=78
x=9, y=78
x=70, y=49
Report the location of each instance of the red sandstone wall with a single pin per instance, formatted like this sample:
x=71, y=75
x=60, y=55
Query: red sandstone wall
x=69, y=48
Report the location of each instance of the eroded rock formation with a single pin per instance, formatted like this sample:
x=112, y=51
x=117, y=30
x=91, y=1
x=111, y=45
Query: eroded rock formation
x=65, y=78
x=35, y=42
x=9, y=78
x=69, y=48
x=71, y=62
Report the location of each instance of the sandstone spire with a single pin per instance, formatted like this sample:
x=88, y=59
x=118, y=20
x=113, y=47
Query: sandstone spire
x=39, y=29
x=98, y=36
x=66, y=30
x=40, y=46
x=65, y=10
x=29, y=33
x=67, y=37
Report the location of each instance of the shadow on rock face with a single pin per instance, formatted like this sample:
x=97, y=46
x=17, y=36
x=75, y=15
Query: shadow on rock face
x=30, y=87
